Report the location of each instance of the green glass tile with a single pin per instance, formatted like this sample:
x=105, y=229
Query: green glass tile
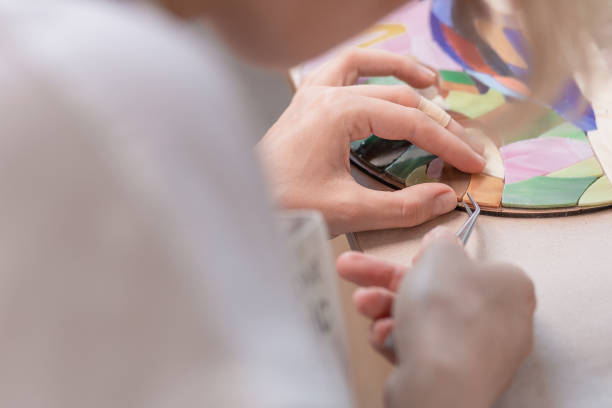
x=599, y=193
x=419, y=176
x=408, y=162
x=545, y=192
x=388, y=80
x=474, y=105
x=568, y=131
x=586, y=168
x=379, y=152
x=457, y=77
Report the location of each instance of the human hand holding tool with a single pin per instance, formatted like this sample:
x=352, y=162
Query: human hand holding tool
x=306, y=153
x=460, y=328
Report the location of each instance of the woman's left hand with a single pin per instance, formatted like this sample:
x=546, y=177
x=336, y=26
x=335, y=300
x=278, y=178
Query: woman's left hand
x=306, y=153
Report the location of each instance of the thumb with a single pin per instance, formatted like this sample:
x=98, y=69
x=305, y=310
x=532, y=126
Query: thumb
x=404, y=208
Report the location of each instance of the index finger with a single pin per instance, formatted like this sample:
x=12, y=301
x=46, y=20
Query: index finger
x=365, y=270
x=396, y=122
x=359, y=62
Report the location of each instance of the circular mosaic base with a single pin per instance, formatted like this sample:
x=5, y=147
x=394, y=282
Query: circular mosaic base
x=501, y=211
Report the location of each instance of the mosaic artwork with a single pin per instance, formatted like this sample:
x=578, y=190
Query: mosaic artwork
x=546, y=165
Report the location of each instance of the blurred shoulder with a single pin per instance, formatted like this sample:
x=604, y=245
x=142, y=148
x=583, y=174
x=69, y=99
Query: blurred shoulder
x=121, y=60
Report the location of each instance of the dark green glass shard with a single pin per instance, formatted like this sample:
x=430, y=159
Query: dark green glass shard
x=409, y=161
x=380, y=153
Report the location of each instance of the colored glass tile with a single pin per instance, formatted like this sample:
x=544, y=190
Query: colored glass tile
x=444, y=173
x=409, y=161
x=472, y=105
x=446, y=87
x=572, y=105
x=466, y=51
x=381, y=152
x=586, y=168
x=492, y=83
x=538, y=157
x=434, y=169
x=437, y=33
x=457, y=77
x=599, y=193
x=457, y=180
x=486, y=190
x=443, y=9
x=419, y=176
x=518, y=42
x=513, y=84
x=567, y=130
x=496, y=38
x=491, y=154
x=545, y=192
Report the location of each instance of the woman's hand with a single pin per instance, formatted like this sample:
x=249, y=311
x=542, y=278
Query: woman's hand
x=460, y=329
x=306, y=153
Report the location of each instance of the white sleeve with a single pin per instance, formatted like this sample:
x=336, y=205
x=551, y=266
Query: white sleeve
x=139, y=261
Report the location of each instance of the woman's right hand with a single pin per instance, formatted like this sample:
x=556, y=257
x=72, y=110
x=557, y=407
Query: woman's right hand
x=460, y=328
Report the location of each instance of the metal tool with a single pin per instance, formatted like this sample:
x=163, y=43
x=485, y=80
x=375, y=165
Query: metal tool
x=463, y=234
x=466, y=229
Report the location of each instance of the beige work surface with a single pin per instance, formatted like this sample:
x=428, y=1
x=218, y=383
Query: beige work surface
x=570, y=261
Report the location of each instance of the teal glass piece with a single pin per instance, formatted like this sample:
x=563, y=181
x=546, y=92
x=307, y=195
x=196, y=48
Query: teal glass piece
x=409, y=161
x=380, y=153
x=355, y=145
x=545, y=192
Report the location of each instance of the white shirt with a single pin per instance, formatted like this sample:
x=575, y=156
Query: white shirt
x=140, y=264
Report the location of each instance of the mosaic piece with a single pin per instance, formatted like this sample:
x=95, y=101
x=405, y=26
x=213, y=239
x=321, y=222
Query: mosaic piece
x=545, y=192
x=380, y=153
x=419, y=176
x=567, y=130
x=492, y=83
x=472, y=105
x=495, y=163
x=435, y=168
x=457, y=77
x=408, y=162
x=466, y=51
x=447, y=87
x=499, y=42
x=486, y=190
x=586, y=168
x=457, y=180
x=599, y=193
x=457, y=81
x=538, y=157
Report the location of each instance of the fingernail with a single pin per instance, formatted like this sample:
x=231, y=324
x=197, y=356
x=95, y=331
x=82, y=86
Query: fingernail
x=481, y=160
x=476, y=144
x=444, y=203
